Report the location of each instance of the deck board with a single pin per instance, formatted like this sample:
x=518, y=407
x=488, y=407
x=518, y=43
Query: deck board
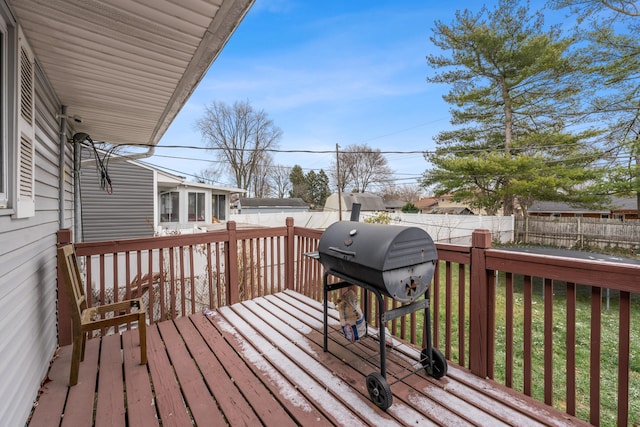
x=261, y=362
x=110, y=407
x=142, y=409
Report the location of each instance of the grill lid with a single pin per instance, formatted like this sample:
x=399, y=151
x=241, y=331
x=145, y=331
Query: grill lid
x=377, y=246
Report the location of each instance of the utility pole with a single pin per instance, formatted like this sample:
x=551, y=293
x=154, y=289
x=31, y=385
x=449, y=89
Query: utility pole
x=338, y=179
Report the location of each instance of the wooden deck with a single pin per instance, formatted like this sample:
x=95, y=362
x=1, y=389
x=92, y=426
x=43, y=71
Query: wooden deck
x=261, y=363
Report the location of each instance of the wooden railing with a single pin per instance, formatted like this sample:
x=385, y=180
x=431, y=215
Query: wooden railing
x=486, y=311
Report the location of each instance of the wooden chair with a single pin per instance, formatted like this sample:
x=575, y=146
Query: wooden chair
x=87, y=319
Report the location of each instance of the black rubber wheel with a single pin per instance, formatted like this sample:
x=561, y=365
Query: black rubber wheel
x=439, y=363
x=379, y=391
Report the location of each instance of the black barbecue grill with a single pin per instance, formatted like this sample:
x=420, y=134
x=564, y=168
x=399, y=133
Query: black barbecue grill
x=388, y=260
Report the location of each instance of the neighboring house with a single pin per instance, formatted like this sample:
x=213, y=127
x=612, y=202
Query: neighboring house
x=140, y=201
x=116, y=71
x=442, y=205
x=619, y=208
x=451, y=210
x=248, y=205
x=368, y=202
x=393, y=205
x=183, y=205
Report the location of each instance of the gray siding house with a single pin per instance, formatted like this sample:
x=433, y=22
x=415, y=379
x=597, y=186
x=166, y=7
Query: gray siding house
x=117, y=71
x=142, y=201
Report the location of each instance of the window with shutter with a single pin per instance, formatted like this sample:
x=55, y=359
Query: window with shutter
x=4, y=114
x=25, y=179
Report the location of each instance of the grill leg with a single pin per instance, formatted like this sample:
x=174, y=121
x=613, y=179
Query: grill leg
x=326, y=309
x=381, y=335
x=427, y=326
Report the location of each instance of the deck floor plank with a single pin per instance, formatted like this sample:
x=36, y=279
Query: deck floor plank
x=54, y=392
x=261, y=362
x=140, y=402
x=340, y=358
x=235, y=408
x=81, y=398
x=271, y=382
x=171, y=406
x=202, y=405
x=279, y=363
x=258, y=390
x=110, y=407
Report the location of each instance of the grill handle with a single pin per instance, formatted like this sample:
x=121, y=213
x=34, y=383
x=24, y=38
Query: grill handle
x=342, y=251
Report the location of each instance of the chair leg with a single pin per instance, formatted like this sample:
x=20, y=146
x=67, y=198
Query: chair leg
x=76, y=354
x=142, y=330
x=84, y=345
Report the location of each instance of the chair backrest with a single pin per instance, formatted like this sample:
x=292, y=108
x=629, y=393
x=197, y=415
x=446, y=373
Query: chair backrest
x=68, y=267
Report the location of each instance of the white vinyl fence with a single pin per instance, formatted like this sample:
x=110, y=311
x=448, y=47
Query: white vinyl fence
x=456, y=229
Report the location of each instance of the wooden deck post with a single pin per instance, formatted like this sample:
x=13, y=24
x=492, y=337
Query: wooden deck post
x=65, y=325
x=289, y=255
x=480, y=306
x=231, y=264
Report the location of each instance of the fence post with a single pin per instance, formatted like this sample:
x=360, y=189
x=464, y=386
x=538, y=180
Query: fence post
x=231, y=262
x=65, y=325
x=289, y=259
x=480, y=306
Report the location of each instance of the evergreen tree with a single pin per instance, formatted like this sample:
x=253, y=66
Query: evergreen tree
x=299, y=187
x=318, y=185
x=613, y=31
x=514, y=96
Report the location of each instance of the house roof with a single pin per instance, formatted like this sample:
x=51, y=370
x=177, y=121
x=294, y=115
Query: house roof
x=256, y=202
x=126, y=67
x=451, y=210
x=394, y=203
x=426, y=203
x=368, y=202
x=616, y=203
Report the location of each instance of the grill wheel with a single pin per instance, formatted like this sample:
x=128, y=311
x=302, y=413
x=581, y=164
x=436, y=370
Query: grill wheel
x=438, y=368
x=379, y=391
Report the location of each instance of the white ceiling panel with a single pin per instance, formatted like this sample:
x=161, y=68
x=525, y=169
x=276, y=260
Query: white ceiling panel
x=126, y=66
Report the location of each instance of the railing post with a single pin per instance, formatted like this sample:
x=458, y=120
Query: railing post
x=231, y=265
x=480, y=306
x=65, y=325
x=289, y=255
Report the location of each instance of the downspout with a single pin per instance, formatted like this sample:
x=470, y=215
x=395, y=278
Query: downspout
x=77, y=206
x=61, y=169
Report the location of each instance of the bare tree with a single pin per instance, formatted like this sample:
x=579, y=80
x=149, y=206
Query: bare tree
x=260, y=185
x=360, y=166
x=209, y=176
x=280, y=182
x=406, y=193
x=240, y=136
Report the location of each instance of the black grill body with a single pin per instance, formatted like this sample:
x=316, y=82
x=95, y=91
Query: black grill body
x=387, y=260
x=399, y=261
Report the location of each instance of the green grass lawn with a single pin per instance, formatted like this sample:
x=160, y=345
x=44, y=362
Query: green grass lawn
x=609, y=344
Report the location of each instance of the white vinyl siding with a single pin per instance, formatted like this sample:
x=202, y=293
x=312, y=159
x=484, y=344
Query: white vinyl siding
x=28, y=296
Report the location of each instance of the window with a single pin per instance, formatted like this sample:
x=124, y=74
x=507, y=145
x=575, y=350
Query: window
x=3, y=116
x=170, y=207
x=7, y=107
x=196, y=207
x=219, y=206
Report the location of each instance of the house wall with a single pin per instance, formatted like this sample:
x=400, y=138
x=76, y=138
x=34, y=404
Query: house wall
x=127, y=211
x=28, y=323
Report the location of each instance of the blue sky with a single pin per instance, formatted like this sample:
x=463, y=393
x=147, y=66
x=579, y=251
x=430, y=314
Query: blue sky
x=327, y=72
